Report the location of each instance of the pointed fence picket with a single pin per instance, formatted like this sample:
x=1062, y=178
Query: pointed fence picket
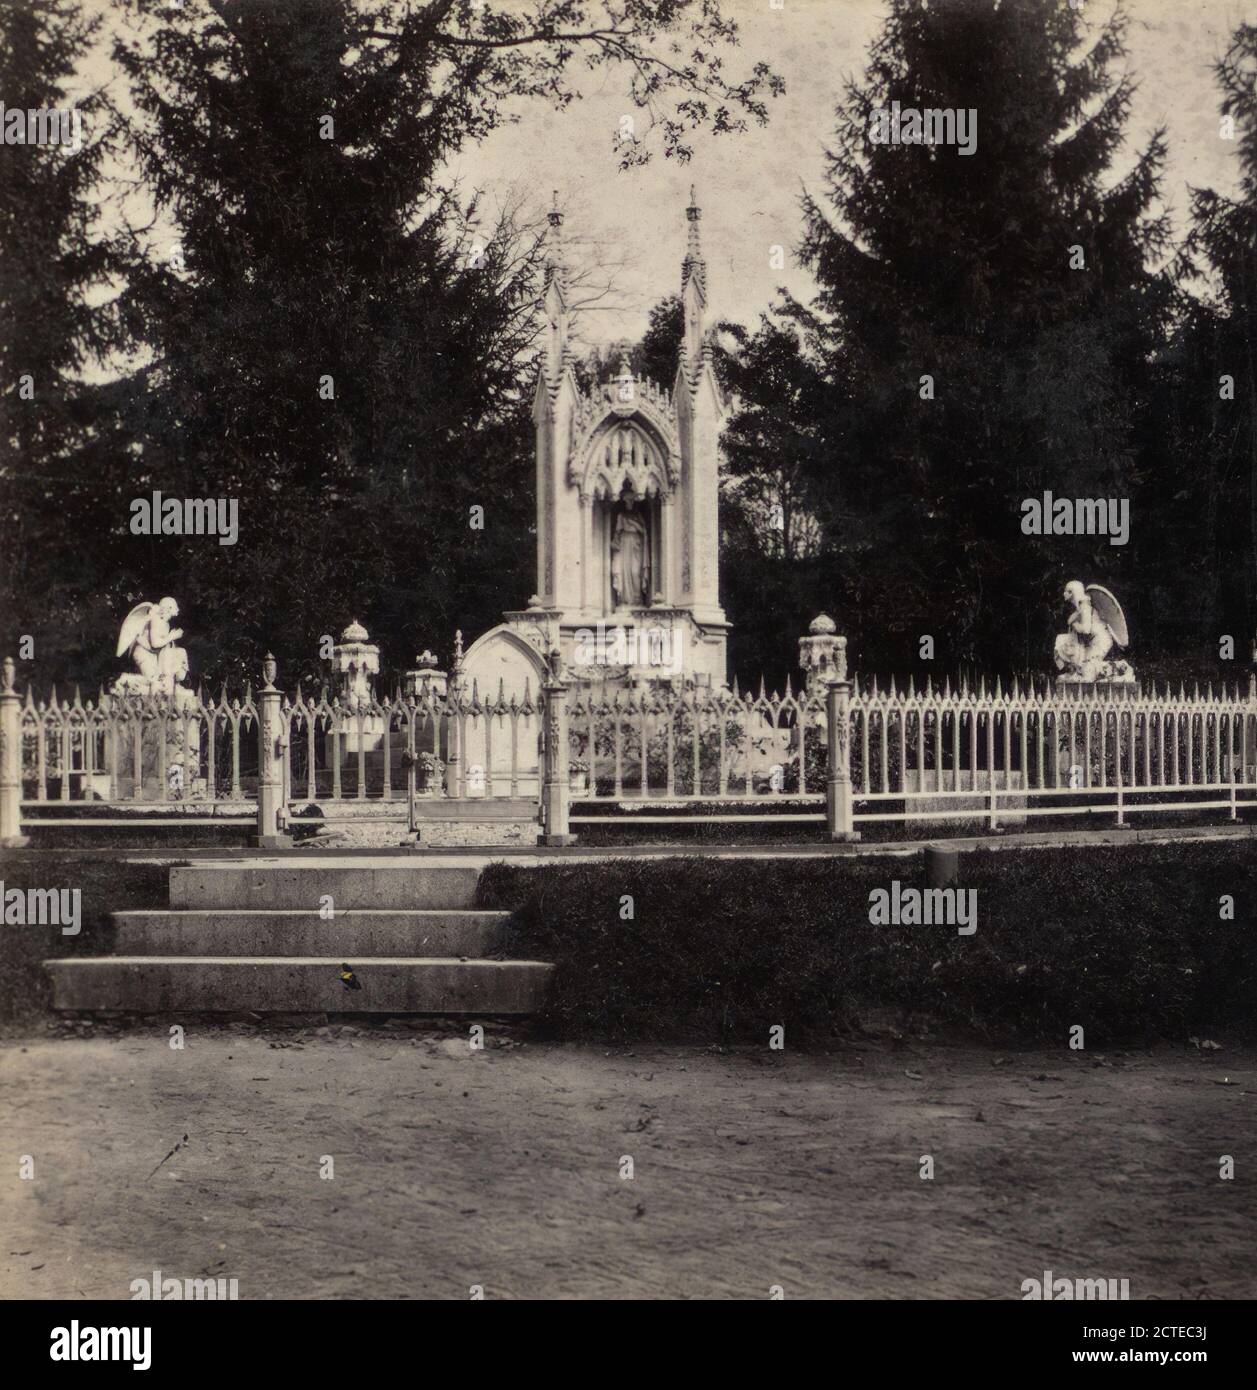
x=991, y=750
x=134, y=751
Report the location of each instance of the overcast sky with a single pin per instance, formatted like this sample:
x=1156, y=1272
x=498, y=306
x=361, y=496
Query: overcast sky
x=749, y=184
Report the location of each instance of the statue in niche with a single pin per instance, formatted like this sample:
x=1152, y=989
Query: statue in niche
x=630, y=556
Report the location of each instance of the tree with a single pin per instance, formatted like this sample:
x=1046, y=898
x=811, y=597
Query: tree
x=986, y=320
x=775, y=453
x=339, y=340
x=59, y=469
x=1215, y=410
x=778, y=484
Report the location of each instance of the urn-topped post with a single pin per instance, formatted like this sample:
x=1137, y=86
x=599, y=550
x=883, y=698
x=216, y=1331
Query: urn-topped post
x=424, y=681
x=555, y=788
x=839, y=808
x=11, y=836
x=271, y=746
x=355, y=665
x=819, y=655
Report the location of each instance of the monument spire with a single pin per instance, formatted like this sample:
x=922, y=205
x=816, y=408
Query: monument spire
x=555, y=297
x=694, y=267
x=693, y=291
x=556, y=267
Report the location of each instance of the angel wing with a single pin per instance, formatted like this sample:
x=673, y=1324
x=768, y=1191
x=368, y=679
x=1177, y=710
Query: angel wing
x=1110, y=611
x=132, y=626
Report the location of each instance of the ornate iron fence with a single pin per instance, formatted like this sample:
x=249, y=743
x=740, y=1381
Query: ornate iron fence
x=455, y=744
x=900, y=754
x=695, y=745
x=128, y=751
x=1049, y=751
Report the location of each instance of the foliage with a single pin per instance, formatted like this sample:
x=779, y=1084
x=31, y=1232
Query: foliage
x=1134, y=948
x=957, y=266
x=62, y=462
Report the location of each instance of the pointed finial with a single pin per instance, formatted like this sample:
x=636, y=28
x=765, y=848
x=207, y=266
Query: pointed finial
x=555, y=260
x=693, y=267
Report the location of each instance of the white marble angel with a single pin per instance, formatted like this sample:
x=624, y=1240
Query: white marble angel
x=1096, y=626
x=149, y=640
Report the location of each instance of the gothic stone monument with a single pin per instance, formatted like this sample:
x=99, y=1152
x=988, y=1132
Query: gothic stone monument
x=627, y=527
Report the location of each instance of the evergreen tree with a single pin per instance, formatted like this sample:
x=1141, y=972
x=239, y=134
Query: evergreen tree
x=339, y=342
x=1215, y=405
x=774, y=524
x=986, y=320
x=59, y=461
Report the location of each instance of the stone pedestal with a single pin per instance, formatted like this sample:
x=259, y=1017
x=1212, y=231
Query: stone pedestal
x=426, y=685
x=183, y=744
x=355, y=664
x=1114, y=689
x=822, y=656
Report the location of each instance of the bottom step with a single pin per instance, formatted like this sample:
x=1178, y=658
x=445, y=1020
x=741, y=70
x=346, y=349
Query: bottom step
x=296, y=984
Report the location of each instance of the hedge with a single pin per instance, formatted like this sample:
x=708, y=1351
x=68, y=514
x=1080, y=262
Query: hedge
x=1126, y=941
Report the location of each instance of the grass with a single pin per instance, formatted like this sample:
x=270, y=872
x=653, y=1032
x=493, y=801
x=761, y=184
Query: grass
x=106, y=884
x=1125, y=941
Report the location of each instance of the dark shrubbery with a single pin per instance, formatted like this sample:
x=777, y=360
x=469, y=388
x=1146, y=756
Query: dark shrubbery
x=107, y=884
x=1126, y=941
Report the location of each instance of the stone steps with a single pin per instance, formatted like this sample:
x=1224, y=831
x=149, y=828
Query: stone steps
x=351, y=932
x=302, y=885
x=248, y=936
x=298, y=984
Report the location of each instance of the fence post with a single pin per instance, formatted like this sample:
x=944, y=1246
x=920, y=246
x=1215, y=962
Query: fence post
x=453, y=729
x=555, y=793
x=839, y=810
x=270, y=762
x=1248, y=773
x=11, y=836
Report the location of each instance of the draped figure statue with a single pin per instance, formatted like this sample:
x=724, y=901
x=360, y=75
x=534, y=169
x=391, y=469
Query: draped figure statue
x=630, y=557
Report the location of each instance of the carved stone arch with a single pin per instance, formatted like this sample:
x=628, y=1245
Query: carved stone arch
x=527, y=656
x=625, y=450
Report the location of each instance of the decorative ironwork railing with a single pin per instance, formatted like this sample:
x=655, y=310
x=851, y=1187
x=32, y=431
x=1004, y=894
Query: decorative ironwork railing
x=929, y=753
x=1094, y=748
x=696, y=744
x=138, y=748
x=896, y=754
x=458, y=745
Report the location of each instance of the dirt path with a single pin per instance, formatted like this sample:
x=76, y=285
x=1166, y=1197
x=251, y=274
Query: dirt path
x=502, y=1168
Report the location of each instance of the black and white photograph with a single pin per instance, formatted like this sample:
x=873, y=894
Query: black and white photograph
x=628, y=670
